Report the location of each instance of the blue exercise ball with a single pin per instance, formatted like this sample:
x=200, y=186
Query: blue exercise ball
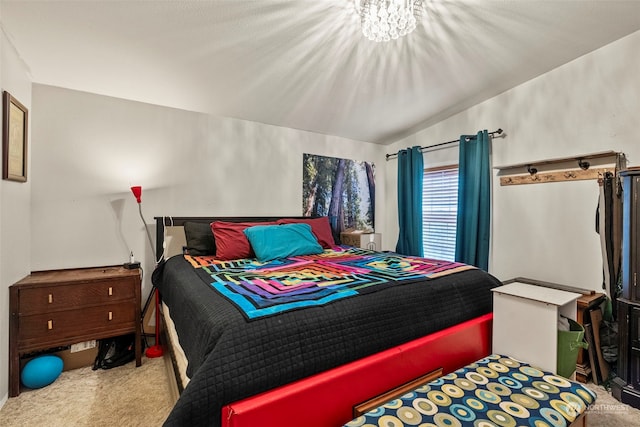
x=41, y=371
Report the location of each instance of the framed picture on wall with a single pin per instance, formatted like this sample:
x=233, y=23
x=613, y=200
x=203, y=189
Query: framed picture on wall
x=14, y=139
x=342, y=189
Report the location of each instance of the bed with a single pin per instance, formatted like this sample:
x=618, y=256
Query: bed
x=309, y=360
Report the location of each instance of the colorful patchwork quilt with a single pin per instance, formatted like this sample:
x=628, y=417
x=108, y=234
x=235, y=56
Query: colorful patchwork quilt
x=264, y=289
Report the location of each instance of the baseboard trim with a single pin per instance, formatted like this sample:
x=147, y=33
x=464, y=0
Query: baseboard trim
x=4, y=400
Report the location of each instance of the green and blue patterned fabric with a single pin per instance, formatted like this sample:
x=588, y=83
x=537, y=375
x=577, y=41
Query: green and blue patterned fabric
x=496, y=391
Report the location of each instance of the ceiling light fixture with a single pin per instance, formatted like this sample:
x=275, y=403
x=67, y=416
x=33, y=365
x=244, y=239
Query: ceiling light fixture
x=384, y=20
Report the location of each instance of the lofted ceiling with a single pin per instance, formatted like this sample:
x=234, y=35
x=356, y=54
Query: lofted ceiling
x=304, y=64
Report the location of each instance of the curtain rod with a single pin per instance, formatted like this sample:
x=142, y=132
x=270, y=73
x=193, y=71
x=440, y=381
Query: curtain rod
x=499, y=131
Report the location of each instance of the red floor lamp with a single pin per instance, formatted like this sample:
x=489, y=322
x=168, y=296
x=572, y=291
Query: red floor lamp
x=156, y=349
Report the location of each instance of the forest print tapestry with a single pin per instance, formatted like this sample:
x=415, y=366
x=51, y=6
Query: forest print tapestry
x=342, y=189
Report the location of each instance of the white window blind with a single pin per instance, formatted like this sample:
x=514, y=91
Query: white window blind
x=439, y=212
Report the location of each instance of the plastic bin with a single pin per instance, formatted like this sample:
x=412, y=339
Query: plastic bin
x=569, y=344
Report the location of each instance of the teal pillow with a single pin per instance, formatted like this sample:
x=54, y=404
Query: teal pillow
x=280, y=241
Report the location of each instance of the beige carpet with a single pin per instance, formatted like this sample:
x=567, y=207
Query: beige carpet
x=608, y=412
x=123, y=396
x=130, y=396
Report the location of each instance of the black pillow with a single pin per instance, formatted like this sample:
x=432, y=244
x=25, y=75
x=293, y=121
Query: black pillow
x=200, y=239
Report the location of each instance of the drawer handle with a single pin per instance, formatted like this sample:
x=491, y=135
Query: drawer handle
x=110, y=291
x=50, y=298
x=49, y=324
x=111, y=315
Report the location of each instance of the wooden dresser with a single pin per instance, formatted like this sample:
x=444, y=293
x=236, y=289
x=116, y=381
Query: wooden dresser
x=62, y=307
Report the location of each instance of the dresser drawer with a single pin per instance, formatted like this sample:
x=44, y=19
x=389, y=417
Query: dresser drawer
x=60, y=326
x=64, y=297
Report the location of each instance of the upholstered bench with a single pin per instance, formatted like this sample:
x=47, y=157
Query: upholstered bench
x=494, y=391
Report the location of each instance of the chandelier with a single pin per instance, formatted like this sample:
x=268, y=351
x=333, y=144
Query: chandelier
x=384, y=20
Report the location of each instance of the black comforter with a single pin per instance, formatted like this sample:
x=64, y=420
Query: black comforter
x=231, y=358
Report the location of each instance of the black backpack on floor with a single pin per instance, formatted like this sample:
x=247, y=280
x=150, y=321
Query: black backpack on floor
x=115, y=351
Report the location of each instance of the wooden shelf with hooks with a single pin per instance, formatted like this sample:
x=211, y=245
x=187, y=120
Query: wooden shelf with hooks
x=576, y=168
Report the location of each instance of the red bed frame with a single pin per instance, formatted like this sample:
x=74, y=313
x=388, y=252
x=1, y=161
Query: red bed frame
x=327, y=399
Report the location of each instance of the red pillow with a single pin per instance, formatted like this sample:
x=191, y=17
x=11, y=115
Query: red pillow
x=231, y=243
x=320, y=228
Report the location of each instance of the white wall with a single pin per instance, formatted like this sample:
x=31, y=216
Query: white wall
x=15, y=242
x=546, y=231
x=89, y=149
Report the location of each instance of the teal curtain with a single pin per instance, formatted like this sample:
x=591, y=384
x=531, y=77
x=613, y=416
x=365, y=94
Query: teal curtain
x=474, y=201
x=410, y=171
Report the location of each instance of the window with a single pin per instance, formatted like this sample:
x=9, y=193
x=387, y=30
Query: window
x=439, y=212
